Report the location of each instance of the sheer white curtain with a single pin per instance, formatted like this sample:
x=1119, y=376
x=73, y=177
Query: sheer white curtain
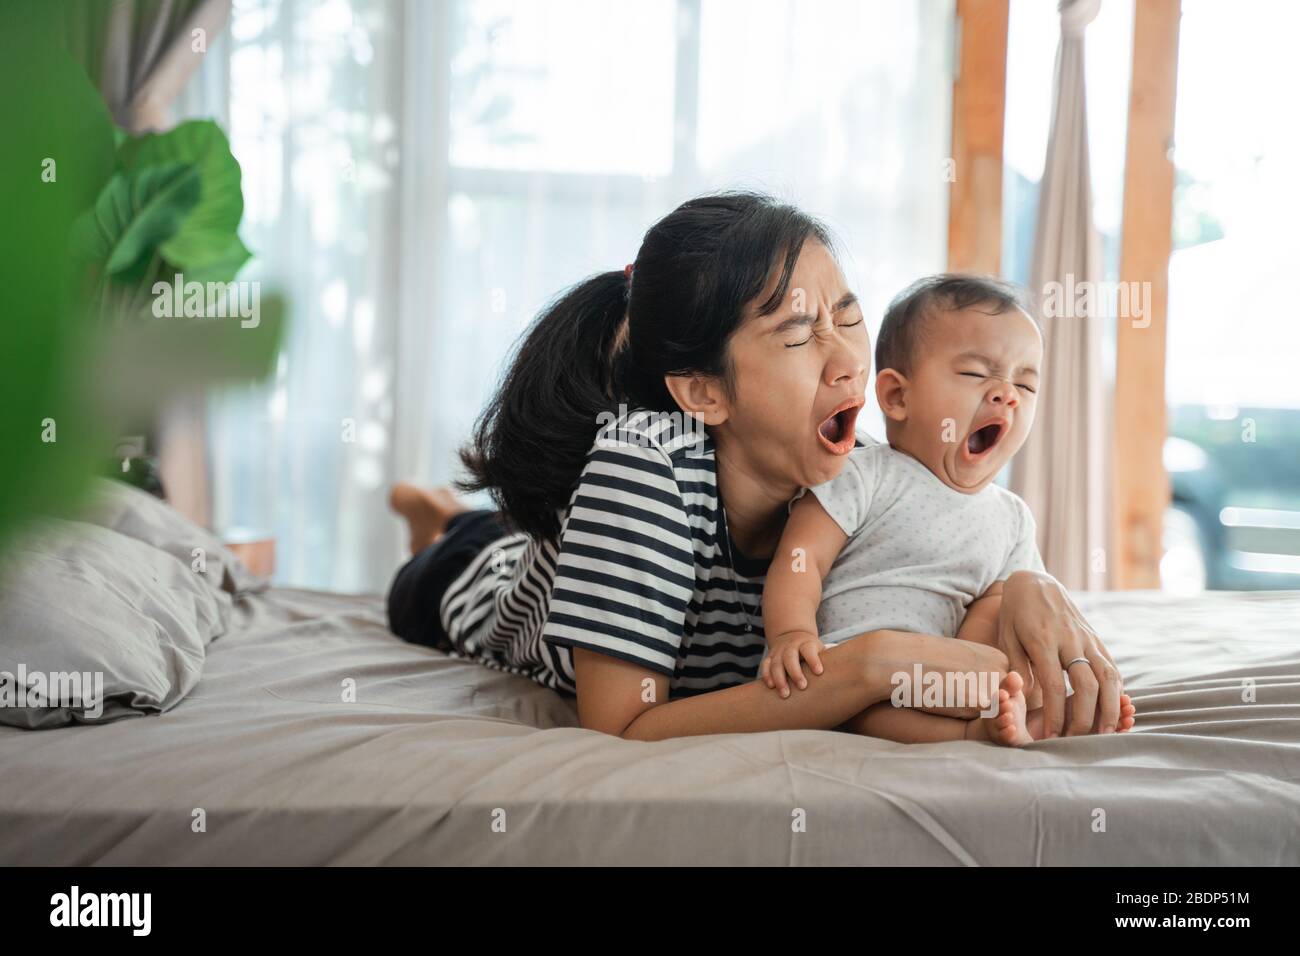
x=313, y=91
x=422, y=177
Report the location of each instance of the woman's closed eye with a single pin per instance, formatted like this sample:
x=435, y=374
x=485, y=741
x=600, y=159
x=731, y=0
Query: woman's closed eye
x=842, y=325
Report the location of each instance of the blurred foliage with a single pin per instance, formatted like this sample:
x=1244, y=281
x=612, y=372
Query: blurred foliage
x=1195, y=220
x=91, y=214
x=132, y=217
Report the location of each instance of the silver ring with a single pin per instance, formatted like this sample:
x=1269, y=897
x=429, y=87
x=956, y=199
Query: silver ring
x=1078, y=660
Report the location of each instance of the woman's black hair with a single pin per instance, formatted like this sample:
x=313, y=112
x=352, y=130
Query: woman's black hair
x=697, y=270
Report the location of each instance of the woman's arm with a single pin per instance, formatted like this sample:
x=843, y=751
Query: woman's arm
x=1041, y=630
x=627, y=700
x=910, y=725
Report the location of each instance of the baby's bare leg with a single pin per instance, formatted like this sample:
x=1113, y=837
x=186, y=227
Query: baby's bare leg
x=981, y=621
x=906, y=725
x=928, y=724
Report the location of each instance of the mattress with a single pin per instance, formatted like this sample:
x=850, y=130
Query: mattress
x=316, y=737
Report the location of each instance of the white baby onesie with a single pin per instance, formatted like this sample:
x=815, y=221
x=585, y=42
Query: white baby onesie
x=919, y=552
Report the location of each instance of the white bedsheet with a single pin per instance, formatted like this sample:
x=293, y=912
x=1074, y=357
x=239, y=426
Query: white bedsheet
x=434, y=751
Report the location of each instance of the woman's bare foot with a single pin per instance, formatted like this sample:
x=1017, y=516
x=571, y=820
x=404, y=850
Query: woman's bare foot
x=1006, y=727
x=426, y=510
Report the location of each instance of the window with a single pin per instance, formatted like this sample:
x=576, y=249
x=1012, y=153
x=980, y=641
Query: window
x=422, y=178
x=1231, y=381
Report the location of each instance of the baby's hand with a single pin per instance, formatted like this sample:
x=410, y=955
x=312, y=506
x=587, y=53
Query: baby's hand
x=783, y=655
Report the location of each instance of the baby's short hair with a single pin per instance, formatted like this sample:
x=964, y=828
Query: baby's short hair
x=905, y=319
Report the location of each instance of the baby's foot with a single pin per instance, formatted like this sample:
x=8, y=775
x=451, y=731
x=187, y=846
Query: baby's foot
x=1127, y=714
x=1007, y=726
x=426, y=510
x=1127, y=718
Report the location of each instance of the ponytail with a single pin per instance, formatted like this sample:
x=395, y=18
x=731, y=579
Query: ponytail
x=531, y=442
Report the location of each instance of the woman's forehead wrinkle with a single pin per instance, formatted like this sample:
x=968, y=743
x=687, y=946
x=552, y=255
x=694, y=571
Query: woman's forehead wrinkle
x=805, y=305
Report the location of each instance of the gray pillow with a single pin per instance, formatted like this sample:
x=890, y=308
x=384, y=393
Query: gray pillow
x=138, y=514
x=96, y=626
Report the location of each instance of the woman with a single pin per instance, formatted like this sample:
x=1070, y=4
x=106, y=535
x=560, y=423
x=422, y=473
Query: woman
x=626, y=563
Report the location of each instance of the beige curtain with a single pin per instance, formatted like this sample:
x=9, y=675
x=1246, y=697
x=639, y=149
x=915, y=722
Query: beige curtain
x=1062, y=470
x=141, y=53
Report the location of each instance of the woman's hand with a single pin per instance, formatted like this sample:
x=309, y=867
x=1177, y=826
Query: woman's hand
x=1041, y=631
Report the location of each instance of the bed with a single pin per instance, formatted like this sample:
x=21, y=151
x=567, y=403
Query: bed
x=314, y=737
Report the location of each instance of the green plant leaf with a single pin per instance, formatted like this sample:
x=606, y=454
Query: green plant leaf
x=204, y=239
x=57, y=155
x=222, y=266
x=68, y=384
x=136, y=212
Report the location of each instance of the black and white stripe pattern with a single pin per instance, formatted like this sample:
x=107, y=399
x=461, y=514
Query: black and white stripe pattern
x=641, y=572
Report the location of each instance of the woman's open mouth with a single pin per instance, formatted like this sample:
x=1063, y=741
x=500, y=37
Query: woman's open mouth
x=837, y=431
x=983, y=439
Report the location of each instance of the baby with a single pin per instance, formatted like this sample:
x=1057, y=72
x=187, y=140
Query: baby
x=914, y=535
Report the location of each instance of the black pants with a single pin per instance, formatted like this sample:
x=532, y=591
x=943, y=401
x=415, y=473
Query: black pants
x=417, y=590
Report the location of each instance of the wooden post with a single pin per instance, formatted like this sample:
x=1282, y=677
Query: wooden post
x=978, y=109
x=1142, y=486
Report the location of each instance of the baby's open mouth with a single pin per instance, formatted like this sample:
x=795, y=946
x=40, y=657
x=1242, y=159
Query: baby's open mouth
x=837, y=431
x=983, y=439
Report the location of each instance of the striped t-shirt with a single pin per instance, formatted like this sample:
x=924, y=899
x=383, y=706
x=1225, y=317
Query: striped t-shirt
x=641, y=571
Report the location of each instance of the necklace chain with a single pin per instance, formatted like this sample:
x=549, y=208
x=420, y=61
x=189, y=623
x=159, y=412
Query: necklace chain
x=731, y=560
